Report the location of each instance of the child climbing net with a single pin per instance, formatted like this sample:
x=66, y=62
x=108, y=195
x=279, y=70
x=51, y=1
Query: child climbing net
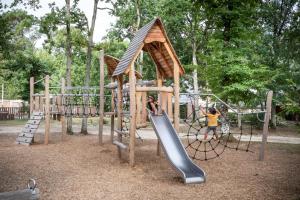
x=201, y=147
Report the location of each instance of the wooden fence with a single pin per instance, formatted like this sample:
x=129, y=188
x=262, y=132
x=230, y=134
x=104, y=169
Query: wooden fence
x=11, y=113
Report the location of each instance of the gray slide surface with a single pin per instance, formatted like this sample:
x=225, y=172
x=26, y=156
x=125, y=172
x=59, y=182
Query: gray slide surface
x=174, y=149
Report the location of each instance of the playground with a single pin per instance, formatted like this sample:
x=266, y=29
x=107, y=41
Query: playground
x=79, y=168
x=143, y=126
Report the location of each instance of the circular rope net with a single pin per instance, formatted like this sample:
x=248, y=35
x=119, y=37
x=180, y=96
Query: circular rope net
x=228, y=134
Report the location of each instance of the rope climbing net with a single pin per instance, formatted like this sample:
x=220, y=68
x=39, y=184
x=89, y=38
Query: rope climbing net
x=229, y=132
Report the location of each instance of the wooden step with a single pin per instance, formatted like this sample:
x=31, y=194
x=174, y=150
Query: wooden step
x=34, y=122
x=37, y=114
x=36, y=117
x=27, y=135
x=24, y=139
x=31, y=126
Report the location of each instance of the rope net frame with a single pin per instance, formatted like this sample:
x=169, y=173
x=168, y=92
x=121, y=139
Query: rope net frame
x=214, y=146
x=79, y=102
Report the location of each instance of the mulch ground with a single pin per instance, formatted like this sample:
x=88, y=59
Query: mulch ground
x=78, y=168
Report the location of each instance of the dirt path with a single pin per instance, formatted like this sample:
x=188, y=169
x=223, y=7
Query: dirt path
x=79, y=168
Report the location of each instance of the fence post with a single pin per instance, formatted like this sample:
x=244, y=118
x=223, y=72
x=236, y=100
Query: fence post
x=47, y=110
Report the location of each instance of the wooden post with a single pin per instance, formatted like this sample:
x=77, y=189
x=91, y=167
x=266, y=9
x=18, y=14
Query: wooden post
x=176, y=87
x=138, y=107
x=239, y=119
x=170, y=106
x=47, y=110
x=119, y=109
x=164, y=101
x=132, y=83
x=112, y=117
x=101, y=99
x=266, y=125
x=159, y=84
x=62, y=109
x=144, y=106
x=31, y=82
x=176, y=96
x=38, y=104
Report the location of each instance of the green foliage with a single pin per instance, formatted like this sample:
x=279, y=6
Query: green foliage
x=241, y=48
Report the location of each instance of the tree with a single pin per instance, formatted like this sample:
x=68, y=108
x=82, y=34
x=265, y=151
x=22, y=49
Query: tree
x=19, y=58
x=88, y=62
x=280, y=52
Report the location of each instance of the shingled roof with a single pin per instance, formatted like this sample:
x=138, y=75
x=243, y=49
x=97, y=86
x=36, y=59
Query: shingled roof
x=145, y=39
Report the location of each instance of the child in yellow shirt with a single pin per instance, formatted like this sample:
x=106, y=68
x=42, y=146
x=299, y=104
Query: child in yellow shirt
x=212, y=117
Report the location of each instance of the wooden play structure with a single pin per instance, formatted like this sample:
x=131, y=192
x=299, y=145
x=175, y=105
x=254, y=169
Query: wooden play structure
x=127, y=98
x=152, y=39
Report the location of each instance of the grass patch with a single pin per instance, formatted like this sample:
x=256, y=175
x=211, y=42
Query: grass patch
x=13, y=122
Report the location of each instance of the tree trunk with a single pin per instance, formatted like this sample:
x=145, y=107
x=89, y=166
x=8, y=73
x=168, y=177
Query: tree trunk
x=88, y=67
x=137, y=26
x=69, y=59
x=195, y=74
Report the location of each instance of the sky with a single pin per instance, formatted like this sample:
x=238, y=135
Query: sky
x=103, y=20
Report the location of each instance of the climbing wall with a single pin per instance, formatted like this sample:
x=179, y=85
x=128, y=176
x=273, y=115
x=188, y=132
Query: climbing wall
x=27, y=134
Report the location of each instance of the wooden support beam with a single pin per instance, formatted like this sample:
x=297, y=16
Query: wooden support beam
x=154, y=89
x=159, y=78
x=176, y=87
x=155, y=39
x=266, y=125
x=101, y=99
x=144, y=107
x=112, y=117
x=42, y=104
x=132, y=83
x=164, y=101
x=119, y=110
x=47, y=110
x=138, y=107
x=170, y=105
x=142, y=125
x=31, y=83
x=37, y=103
x=62, y=110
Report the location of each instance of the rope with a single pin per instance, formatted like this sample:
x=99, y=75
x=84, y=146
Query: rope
x=204, y=150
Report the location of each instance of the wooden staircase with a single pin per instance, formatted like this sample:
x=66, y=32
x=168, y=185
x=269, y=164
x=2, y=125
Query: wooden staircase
x=27, y=134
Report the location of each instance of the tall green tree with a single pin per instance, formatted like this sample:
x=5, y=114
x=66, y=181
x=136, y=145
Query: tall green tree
x=89, y=62
x=281, y=52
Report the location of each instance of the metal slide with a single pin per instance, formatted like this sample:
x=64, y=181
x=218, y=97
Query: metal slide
x=174, y=149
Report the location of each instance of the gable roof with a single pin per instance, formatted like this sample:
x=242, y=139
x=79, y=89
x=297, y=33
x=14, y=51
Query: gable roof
x=112, y=62
x=160, y=56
